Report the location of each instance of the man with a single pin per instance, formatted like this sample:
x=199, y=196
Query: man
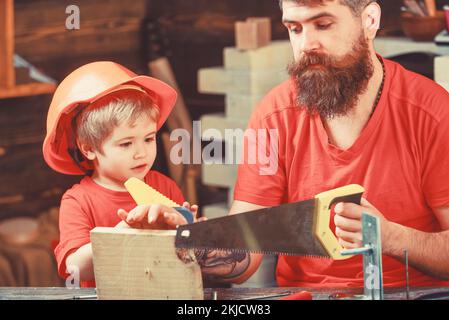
x=349, y=116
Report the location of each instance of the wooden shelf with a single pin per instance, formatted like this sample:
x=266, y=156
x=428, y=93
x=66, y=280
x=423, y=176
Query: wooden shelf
x=393, y=46
x=9, y=86
x=29, y=89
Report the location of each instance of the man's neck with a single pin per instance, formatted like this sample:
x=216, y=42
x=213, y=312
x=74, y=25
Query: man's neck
x=344, y=131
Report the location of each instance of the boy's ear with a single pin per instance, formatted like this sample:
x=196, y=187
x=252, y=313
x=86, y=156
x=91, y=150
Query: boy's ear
x=87, y=151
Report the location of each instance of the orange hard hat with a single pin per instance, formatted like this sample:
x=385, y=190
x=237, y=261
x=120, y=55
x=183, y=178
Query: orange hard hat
x=83, y=86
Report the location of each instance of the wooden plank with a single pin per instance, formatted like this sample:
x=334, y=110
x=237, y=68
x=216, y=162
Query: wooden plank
x=24, y=171
x=29, y=89
x=252, y=33
x=142, y=264
x=32, y=206
x=94, y=38
x=22, y=121
x=31, y=14
x=7, y=74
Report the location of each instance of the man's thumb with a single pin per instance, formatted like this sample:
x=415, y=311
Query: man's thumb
x=366, y=203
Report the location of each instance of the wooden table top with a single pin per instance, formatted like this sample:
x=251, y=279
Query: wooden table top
x=62, y=293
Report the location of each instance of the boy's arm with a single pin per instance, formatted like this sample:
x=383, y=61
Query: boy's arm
x=82, y=260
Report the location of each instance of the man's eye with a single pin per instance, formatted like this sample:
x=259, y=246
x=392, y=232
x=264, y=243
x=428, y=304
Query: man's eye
x=294, y=30
x=125, y=144
x=324, y=26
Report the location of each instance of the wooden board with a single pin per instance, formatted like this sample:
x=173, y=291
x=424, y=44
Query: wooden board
x=7, y=75
x=106, y=26
x=29, y=89
x=142, y=264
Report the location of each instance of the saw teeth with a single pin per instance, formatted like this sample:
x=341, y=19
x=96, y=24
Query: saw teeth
x=258, y=252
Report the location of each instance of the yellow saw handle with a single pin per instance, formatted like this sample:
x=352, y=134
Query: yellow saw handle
x=323, y=203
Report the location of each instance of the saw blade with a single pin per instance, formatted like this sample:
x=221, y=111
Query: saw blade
x=286, y=229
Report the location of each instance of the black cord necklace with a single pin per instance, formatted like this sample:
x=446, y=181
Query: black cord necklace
x=379, y=92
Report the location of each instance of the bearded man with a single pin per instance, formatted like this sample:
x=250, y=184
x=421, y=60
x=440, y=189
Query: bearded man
x=348, y=116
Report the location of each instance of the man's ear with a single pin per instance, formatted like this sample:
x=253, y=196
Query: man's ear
x=87, y=151
x=371, y=20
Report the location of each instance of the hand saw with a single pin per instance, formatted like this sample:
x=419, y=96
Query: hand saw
x=300, y=228
x=144, y=194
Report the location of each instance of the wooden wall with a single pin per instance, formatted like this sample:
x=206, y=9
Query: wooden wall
x=197, y=31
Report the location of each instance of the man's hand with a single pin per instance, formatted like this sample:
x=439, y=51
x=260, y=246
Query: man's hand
x=217, y=264
x=155, y=217
x=348, y=223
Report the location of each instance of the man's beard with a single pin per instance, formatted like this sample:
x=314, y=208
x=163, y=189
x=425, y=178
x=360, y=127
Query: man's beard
x=331, y=87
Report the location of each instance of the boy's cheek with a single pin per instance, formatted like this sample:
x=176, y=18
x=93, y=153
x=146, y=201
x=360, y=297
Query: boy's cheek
x=152, y=156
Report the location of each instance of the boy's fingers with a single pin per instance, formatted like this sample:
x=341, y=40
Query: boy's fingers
x=140, y=213
x=174, y=219
x=153, y=213
x=122, y=214
x=194, y=210
x=131, y=214
x=186, y=205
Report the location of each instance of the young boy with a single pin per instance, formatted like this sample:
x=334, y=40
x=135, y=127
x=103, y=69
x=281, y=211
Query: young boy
x=102, y=122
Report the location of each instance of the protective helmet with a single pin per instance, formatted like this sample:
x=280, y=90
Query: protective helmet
x=82, y=87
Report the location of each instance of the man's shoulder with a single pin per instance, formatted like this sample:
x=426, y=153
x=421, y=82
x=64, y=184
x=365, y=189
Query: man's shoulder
x=418, y=91
x=280, y=98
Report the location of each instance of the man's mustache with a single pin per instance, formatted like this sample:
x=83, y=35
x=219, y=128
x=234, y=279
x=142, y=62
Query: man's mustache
x=312, y=59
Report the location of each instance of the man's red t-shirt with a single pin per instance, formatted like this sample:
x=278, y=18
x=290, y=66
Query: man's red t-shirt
x=88, y=205
x=401, y=158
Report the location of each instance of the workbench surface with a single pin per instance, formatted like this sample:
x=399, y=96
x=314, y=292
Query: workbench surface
x=61, y=293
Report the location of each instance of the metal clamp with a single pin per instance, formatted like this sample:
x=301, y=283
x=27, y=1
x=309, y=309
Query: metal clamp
x=372, y=257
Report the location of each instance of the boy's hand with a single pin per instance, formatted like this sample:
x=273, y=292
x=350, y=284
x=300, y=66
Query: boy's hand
x=122, y=225
x=156, y=216
x=194, y=210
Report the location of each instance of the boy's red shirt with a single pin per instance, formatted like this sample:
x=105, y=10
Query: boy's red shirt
x=88, y=205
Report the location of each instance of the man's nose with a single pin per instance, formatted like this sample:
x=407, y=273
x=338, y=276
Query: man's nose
x=309, y=41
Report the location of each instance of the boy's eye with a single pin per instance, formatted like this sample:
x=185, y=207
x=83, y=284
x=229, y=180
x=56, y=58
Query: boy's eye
x=149, y=139
x=125, y=144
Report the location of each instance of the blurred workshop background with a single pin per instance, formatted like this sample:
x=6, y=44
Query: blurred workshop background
x=181, y=42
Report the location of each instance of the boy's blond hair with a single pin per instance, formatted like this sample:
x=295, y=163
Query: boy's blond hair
x=95, y=123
